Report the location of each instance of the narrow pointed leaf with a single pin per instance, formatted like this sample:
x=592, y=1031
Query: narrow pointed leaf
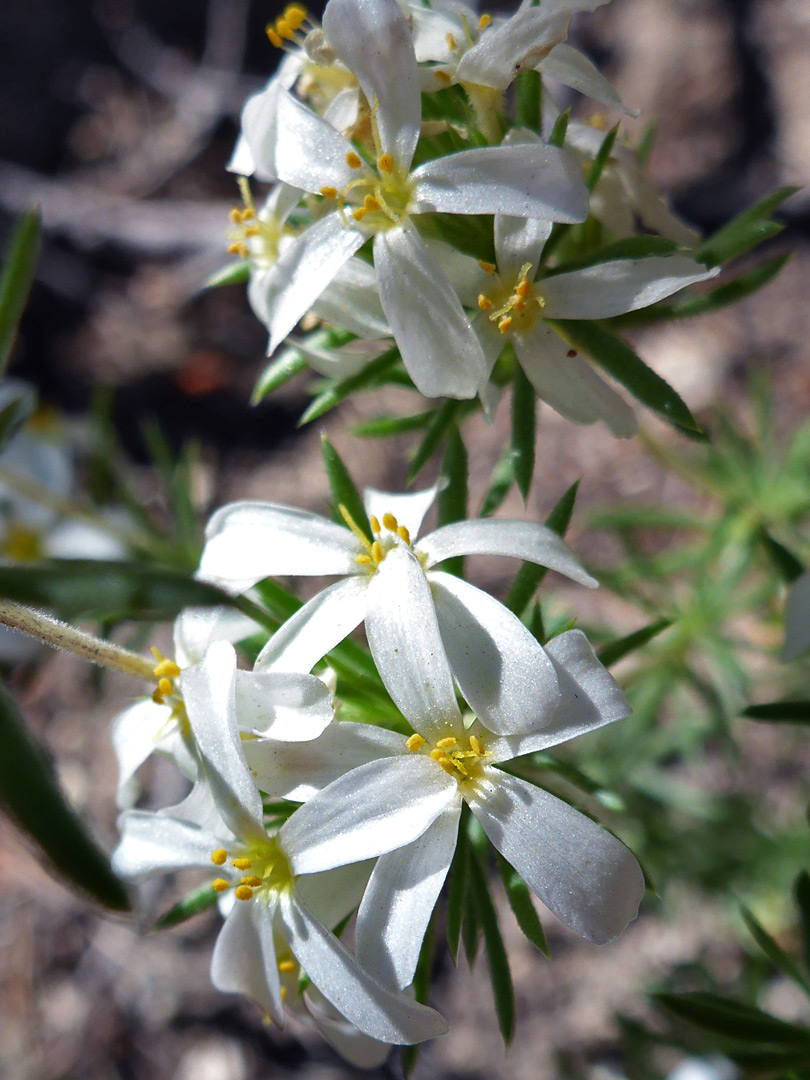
x=13, y=416
x=775, y=953
x=235, y=273
x=801, y=890
x=520, y=900
x=383, y=426
x=342, y=487
x=191, y=905
x=453, y=497
x=777, y=712
x=278, y=372
x=438, y=428
x=559, y=129
x=529, y=101
x=616, y=650
x=30, y=793
x=530, y=575
x=339, y=391
x=456, y=893
x=645, y=144
x=524, y=414
x=744, y=231
x=503, y=476
x=732, y=1019
x=784, y=561
x=19, y=266
x=627, y=368
x=601, y=159
x=498, y=961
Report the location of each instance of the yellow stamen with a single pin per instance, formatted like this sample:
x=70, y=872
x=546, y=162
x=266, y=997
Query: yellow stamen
x=219, y=857
x=283, y=994
x=448, y=766
x=439, y=755
x=403, y=534
x=359, y=213
x=484, y=302
x=296, y=15
x=248, y=214
x=444, y=76
x=157, y=697
x=167, y=667
x=363, y=559
x=273, y=36
x=329, y=192
x=377, y=552
x=385, y=163
x=243, y=892
x=445, y=744
x=371, y=203
x=484, y=21
x=353, y=160
x=242, y=864
x=375, y=524
x=415, y=742
x=523, y=288
x=165, y=687
x=220, y=885
x=505, y=323
x=235, y=214
x=487, y=267
x=283, y=29
x=390, y=522
x=519, y=306
x=252, y=230
x=451, y=42
x=251, y=880
x=477, y=745
x=286, y=966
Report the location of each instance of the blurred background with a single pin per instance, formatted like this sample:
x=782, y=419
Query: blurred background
x=117, y=118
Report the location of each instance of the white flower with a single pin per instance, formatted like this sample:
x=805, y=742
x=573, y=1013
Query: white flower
x=392, y=583
x=275, y=705
x=372, y=39
x=797, y=618
x=222, y=821
x=404, y=807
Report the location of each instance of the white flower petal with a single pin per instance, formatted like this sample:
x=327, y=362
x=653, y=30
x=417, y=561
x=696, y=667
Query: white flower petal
x=589, y=698
x=399, y=901
x=317, y=627
x=244, y=957
x=465, y=274
x=519, y=241
x=352, y=303
x=342, y=362
x=209, y=696
x=612, y=288
x=282, y=705
x=83, y=540
x=255, y=151
x=248, y=541
x=525, y=540
x=500, y=667
x=569, y=383
x=505, y=50
x=391, y=1018
x=373, y=40
x=587, y=877
x=409, y=509
x=134, y=734
x=334, y=894
x=358, y=1049
x=797, y=618
x=302, y=271
x=524, y=180
x=154, y=844
x=405, y=641
x=572, y=68
x=438, y=346
x=297, y=771
x=373, y=809
x=197, y=627
x=310, y=153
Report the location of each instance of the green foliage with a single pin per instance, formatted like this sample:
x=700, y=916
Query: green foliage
x=194, y=903
x=497, y=959
x=530, y=575
x=453, y=496
x=16, y=279
x=748, y=229
x=344, y=493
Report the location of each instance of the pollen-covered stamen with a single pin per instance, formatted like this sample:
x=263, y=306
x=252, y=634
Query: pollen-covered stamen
x=522, y=302
x=252, y=234
x=166, y=671
x=283, y=32
x=384, y=195
x=264, y=869
x=450, y=754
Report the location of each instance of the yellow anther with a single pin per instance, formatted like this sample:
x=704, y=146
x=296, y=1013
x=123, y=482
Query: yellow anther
x=235, y=214
x=375, y=523
x=251, y=880
x=599, y=121
x=273, y=36
x=519, y=306
x=484, y=302
x=451, y=42
x=371, y=203
x=219, y=857
x=447, y=765
x=165, y=687
x=385, y=163
x=505, y=323
x=167, y=667
x=329, y=192
x=415, y=742
x=487, y=267
x=523, y=288
x=359, y=213
x=284, y=30
x=220, y=885
x=444, y=76
x=390, y=522
x=446, y=744
x=243, y=892
x=439, y=755
x=283, y=994
x=403, y=534
x=286, y=966
x=363, y=559
x=377, y=552
x=484, y=21
x=353, y=160
x=242, y=864
x=252, y=230
x=248, y=214
x=157, y=697
x=296, y=15
x=477, y=745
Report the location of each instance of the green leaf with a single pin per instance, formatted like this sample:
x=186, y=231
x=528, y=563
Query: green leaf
x=601, y=159
x=200, y=900
x=443, y=419
x=520, y=900
x=453, y=497
x=801, y=890
x=16, y=279
x=645, y=144
x=744, y=231
x=529, y=101
x=503, y=476
x=278, y=372
x=627, y=368
x=530, y=575
x=73, y=587
x=32, y=796
x=616, y=650
x=775, y=953
x=339, y=391
x=730, y=292
x=732, y=1019
x=560, y=128
x=235, y=273
x=14, y=415
x=499, y=973
x=777, y=712
x=631, y=247
x=344, y=492
x=785, y=562
x=457, y=892
x=524, y=414
x=383, y=426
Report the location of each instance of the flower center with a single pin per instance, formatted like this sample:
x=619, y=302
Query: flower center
x=261, y=868
x=380, y=200
x=458, y=761
x=387, y=534
x=252, y=235
x=513, y=307
x=21, y=544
